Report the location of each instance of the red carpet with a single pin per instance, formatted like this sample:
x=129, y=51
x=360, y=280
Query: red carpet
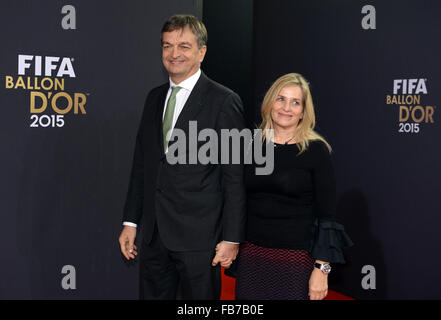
x=228, y=284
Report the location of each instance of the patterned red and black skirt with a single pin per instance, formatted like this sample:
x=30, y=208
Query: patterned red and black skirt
x=272, y=274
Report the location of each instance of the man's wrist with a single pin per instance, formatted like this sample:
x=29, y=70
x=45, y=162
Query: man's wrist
x=231, y=242
x=130, y=224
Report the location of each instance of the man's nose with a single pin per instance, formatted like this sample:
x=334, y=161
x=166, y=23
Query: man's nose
x=175, y=52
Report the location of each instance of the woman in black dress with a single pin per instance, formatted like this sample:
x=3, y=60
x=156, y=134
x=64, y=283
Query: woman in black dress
x=292, y=236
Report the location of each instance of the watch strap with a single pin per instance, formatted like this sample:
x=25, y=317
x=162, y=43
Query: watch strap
x=321, y=266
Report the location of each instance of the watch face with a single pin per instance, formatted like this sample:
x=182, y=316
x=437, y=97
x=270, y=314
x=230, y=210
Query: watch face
x=326, y=268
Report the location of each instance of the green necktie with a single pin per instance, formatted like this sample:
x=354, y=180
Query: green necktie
x=168, y=117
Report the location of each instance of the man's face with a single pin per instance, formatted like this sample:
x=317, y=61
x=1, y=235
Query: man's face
x=180, y=54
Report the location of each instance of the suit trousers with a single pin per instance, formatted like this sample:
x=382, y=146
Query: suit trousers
x=171, y=275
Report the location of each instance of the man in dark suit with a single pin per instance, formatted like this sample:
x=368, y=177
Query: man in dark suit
x=193, y=215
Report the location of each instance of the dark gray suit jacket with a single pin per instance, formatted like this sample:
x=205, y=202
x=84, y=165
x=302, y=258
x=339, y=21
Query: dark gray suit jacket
x=195, y=205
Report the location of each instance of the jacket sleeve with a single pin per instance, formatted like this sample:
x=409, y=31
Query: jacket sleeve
x=133, y=207
x=231, y=116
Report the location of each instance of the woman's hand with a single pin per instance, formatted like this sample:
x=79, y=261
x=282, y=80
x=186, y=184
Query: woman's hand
x=318, y=285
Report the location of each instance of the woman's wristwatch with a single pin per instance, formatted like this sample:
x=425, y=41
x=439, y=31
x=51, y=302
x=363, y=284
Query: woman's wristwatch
x=325, y=267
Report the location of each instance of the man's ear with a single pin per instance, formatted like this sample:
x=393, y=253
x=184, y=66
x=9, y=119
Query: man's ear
x=202, y=51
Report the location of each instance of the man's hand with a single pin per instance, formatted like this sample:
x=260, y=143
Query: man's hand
x=126, y=241
x=225, y=254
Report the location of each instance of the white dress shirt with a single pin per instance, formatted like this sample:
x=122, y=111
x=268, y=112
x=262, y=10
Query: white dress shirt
x=182, y=96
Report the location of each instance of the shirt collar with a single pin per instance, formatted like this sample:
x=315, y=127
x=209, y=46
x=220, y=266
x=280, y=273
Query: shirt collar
x=188, y=83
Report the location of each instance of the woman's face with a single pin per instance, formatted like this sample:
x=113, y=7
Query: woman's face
x=287, y=110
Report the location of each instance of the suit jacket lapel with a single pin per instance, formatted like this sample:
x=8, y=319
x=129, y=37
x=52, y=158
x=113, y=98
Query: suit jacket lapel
x=193, y=105
x=158, y=115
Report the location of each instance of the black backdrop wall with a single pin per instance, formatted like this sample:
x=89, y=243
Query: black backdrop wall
x=63, y=188
x=229, y=57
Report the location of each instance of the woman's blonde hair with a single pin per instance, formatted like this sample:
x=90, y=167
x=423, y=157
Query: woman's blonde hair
x=305, y=128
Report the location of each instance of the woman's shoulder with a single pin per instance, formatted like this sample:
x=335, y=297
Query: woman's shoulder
x=317, y=145
x=318, y=152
